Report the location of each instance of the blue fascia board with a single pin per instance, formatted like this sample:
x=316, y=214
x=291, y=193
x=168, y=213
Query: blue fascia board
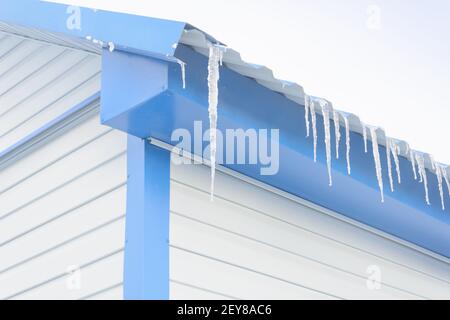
x=243, y=103
x=135, y=79
x=132, y=33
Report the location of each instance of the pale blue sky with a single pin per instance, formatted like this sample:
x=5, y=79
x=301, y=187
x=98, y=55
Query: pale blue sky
x=392, y=69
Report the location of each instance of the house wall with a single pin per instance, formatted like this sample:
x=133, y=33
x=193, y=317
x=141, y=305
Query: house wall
x=62, y=211
x=63, y=207
x=251, y=243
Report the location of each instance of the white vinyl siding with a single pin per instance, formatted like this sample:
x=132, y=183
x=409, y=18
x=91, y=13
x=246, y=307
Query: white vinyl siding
x=39, y=82
x=63, y=205
x=251, y=243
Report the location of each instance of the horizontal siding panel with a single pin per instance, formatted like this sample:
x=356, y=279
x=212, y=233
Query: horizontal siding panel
x=40, y=270
x=114, y=292
x=270, y=261
x=185, y=291
x=82, y=161
x=61, y=146
x=62, y=205
x=39, y=82
x=315, y=221
x=49, y=204
x=244, y=220
x=231, y=280
x=107, y=208
x=237, y=219
x=98, y=275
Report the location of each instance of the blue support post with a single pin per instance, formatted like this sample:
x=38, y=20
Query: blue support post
x=146, y=270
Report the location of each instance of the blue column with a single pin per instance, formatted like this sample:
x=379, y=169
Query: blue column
x=146, y=269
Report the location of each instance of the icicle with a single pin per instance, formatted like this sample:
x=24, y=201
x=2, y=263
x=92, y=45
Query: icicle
x=347, y=143
x=182, y=65
x=411, y=155
x=407, y=148
x=376, y=157
x=111, y=46
x=307, y=108
x=395, y=152
x=439, y=175
x=221, y=56
x=314, y=127
x=213, y=98
x=326, y=124
x=389, y=164
x=364, y=130
x=337, y=131
x=418, y=168
x=447, y=179
x=420, y=172
x=423, y=175
x=433, y=163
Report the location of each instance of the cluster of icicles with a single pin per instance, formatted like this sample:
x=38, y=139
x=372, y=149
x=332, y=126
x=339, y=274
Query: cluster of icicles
x=392, y=148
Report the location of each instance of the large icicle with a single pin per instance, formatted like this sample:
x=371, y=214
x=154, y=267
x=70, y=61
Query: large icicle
x=364, y=130
x=395, y=153
x=412, y=158
x=337, y=131
x=314, y=127
x=389, y=163
x=423, y=174
x=376, y=157
x=439, y=175
x=347, y=143
x=326, y=123
x=215, y=54
x=307, y=109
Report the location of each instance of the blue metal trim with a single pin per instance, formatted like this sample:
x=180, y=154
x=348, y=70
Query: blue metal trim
x=146, y=270
x=50, y=125
x=128, y=32
x=243, y=103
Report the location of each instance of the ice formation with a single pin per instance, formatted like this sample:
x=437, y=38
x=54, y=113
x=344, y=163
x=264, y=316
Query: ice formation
x=395, y=153
x=423, y=175
x=439, y=174
x=307, y=109
x=215, y=56
x=447, y=179
x=364, y=130
x=326, y=123
x=314, y=127
x=392, y=146
x=337, y=131
x=412, y=158
x=376, y=157
x=389, y=163
x=111, y=46
x=182, y=65
x=347, y=143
